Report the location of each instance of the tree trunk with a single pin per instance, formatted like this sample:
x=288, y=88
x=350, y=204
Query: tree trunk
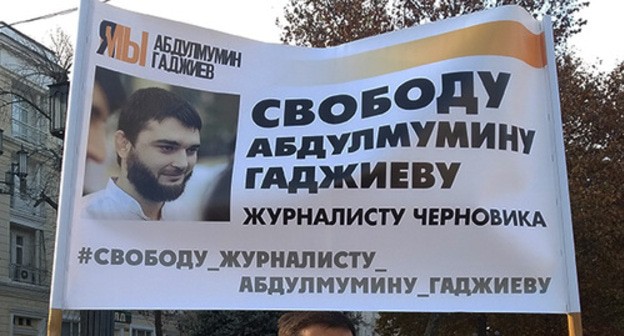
x=158, y=322
x=433, y=324
x=481, y=325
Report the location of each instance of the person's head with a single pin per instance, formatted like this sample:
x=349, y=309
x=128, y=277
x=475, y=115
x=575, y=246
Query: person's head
x=108, y=96
x=156, y=142
x=315, y=323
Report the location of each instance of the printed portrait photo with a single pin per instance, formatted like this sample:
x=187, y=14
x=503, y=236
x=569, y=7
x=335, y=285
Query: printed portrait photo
x=157, y=151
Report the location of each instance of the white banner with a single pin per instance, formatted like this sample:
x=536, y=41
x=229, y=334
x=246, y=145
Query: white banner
x=419, y=170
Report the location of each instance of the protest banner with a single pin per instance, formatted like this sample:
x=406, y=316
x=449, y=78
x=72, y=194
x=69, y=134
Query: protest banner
x=420, y=170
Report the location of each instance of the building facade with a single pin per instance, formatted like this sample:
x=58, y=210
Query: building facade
x=30, y=161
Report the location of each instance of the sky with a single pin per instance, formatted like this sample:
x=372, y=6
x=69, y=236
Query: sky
x=255, y=19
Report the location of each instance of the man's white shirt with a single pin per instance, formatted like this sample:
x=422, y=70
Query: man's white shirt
x=112, y=203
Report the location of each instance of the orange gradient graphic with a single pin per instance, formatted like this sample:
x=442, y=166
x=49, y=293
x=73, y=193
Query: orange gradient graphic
x=500, y=38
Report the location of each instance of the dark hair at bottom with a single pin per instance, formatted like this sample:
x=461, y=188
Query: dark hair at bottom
x=291, y=324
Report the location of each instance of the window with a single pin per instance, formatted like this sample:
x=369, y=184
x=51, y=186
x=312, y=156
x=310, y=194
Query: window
x=26, y=326
x=26, y=123
x=25, y=265
x=22, y=321
x=70, y=328
x=141, y=332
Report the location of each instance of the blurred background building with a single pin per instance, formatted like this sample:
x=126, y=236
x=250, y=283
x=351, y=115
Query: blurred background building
x=30, y=160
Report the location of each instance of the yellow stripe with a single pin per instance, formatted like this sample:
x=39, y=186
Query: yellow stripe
x=55, y=322
x=500, y=38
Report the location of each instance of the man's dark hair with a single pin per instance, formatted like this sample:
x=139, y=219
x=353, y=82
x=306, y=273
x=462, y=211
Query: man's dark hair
x=156, y=104
x=291, y=324
x=111, y=84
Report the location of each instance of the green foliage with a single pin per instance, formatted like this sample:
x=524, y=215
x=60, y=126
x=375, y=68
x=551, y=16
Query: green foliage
x=229, y=323
x=399, y=324
x=236, y=323
x=592, y=106
x=407, y=13
x=328, y=23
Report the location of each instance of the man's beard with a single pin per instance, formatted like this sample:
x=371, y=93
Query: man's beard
x=146, y=183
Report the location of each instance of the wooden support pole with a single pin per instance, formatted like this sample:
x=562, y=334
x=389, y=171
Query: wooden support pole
x=575, y=327
x=55, y=322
